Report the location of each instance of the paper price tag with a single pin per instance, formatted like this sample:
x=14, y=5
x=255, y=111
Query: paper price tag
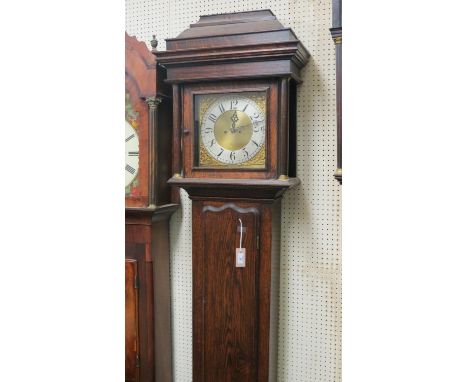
x=240, y=257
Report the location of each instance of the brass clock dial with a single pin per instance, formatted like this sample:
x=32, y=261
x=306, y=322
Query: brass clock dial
x=131, y=154
x=233, y=129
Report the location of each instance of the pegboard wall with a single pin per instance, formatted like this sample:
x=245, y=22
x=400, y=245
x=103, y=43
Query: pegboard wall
x=310, y=277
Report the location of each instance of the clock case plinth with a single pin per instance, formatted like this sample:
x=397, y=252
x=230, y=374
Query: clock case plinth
x=235, y=310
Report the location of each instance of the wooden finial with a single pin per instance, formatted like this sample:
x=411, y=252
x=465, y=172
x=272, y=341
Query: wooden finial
x=154, y=42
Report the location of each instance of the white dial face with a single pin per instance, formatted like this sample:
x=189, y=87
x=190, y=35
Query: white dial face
x=233, y=129
x=131, y=153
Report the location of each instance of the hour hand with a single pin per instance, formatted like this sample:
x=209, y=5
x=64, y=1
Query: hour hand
x=234, y=119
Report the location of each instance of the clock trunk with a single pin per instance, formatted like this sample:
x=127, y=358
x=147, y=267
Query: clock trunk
x=234, y=329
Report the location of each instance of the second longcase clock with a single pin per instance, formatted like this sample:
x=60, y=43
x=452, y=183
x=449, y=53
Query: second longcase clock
x=234, y=79
x=148, y=207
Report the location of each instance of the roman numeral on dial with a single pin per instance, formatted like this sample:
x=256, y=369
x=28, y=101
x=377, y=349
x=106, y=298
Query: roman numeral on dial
x=130, y=169
x=235, y=121
x=133, y=153
x=212, y=118
x=130, y=137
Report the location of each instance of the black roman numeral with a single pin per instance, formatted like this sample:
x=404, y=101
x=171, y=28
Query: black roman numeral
x=133, y=153
x=258, y=127
x=130, y=137
x=221, y=108
x=222, y=150
x=212, y=143
x=130, y=169
x=245, y=152
x=212, y=118
x=245, y=107
x=255, y=143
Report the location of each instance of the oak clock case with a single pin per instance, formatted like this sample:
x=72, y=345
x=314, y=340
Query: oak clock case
x=234, y=79
x=148, y=207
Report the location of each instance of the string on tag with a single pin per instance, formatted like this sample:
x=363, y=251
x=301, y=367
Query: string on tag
x=241, y=230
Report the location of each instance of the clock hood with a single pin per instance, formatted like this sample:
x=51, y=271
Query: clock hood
x=231, y=40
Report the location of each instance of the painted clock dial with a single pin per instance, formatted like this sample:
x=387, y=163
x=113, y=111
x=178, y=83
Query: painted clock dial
x=131, y=154
x=232, y=129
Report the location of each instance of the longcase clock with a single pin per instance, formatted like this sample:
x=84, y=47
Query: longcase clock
x=148, y=207
x=234, y=79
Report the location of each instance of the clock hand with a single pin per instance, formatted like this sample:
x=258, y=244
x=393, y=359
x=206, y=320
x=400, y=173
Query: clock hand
x=250, y=124
x=234, y=119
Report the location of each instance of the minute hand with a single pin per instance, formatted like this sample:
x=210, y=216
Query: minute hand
x=250, y=124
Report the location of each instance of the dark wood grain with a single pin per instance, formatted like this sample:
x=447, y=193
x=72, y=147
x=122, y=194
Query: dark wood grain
x=283, y=142
x=230, y=295
x=147, y=243
x=235, y=37
x=292, y=131
x=272, y=237
x=230, y=305
x=142, y=369
x=162, y=300
x=163, y=153
x=176, y=138
x=235, y=310
x=131, y=321
x=249, y=189
x=243, y=70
